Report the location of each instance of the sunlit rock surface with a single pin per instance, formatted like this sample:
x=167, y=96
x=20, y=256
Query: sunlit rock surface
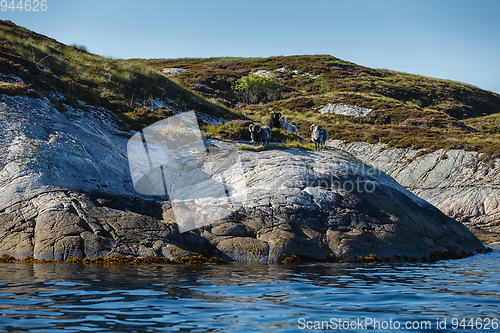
x=66, y=191
x=459, y=183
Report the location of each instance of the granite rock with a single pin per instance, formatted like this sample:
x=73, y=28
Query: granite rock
x=460, y=183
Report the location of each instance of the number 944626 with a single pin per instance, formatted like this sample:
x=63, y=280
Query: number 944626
x=24, y=5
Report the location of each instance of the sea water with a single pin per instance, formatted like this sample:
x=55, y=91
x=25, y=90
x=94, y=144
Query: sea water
x=437, y=297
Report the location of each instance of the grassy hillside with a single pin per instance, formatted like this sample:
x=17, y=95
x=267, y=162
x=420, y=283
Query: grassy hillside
x=69, y=75
x=408, y=110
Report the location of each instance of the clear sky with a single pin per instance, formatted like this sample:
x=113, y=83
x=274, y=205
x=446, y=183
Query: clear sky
x=449, y=39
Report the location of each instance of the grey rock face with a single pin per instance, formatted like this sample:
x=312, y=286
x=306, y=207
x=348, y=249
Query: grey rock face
x=66, y=191
x=314, y=204
x=457, y=182
x=44, y=150
x=344, y=109
x=174, y=71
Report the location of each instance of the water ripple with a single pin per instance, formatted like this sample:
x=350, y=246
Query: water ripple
x=78, y=298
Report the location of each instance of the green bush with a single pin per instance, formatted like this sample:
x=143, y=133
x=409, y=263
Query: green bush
x=252, y=89
x=82, y=48
x=338, y=62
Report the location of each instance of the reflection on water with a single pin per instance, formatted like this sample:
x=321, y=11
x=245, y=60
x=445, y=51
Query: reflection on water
x=78, y=298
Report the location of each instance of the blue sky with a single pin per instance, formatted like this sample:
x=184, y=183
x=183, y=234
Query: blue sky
x=449, y=39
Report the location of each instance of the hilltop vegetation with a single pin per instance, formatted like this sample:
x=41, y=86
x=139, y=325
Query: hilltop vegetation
x=70, y=75
x=409, y=111
x=330, y=77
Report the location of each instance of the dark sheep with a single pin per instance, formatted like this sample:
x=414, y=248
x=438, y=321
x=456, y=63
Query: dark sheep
x=274, y=121
x=319, y=136
x=260, y=134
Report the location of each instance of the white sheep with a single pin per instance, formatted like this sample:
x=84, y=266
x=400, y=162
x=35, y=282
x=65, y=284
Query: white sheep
x=319, y=136
x=285, y=124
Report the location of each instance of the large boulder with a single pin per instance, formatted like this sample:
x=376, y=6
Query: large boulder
x=313, y=204
x=66, y=191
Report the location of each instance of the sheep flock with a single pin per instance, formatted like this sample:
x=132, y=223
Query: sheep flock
x=263, y=134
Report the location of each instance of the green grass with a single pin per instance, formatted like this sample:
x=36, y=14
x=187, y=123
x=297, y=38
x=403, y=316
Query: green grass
x=17, y=88
x=237, y=130
x=337, y=62
x=273, y=146
x=487, y=124
x=233, y=130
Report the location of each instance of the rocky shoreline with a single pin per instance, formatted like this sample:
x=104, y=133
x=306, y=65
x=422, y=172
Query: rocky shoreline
x=459, y=183
x=66, y=191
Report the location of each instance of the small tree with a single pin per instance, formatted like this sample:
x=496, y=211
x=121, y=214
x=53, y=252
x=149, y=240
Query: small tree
x=254, y=88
